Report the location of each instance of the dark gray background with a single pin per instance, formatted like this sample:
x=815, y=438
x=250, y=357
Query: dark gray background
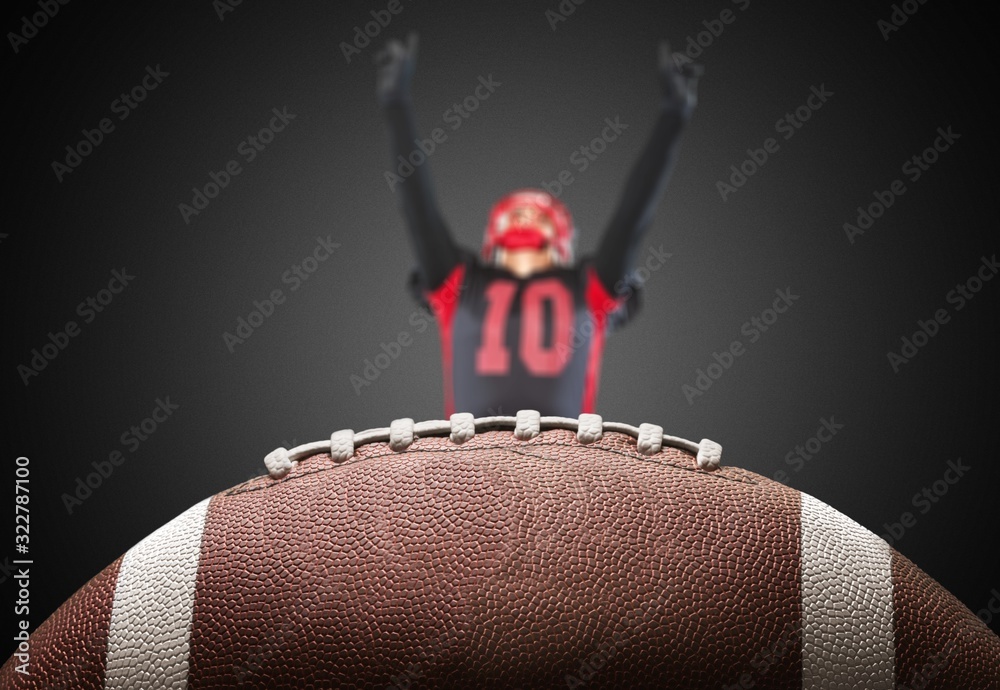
x=290, y=382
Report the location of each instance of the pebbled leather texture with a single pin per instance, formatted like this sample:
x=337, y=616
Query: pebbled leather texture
x=847, y=622
x=151, y=617
x=500, y=563
x=940, y=645
x=67, y=651
x=507, y=563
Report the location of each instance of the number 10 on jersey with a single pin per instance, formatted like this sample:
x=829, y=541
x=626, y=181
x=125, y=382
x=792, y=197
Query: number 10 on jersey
x=493, y=355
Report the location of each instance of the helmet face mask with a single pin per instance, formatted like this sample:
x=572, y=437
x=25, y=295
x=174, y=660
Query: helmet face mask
x=529, y=219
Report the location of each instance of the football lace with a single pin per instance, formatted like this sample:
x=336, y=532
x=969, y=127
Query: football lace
x=462, y=426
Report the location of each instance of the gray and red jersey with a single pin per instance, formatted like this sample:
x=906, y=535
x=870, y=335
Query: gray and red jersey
x=535, y=340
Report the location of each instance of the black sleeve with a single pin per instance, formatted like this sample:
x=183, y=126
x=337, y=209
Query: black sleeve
x=628, y=310
x=618, y=248
x=436, y=252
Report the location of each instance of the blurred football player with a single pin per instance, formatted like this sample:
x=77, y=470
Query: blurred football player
x=523, y=325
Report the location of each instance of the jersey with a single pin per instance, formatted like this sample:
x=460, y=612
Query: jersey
x=510, y=343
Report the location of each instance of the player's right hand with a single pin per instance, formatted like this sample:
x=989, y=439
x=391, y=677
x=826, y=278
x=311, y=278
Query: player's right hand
x=396, y=64
x=678, y=83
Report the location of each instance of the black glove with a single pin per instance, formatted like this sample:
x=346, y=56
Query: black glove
x=679, y=84
x=396, y=63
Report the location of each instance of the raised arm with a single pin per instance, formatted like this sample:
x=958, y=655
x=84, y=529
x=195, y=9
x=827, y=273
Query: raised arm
x=617, y=251
x=436, y=252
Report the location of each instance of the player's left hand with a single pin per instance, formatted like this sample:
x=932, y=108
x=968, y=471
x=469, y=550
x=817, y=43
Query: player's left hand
x=396, y=64
x=679, y=83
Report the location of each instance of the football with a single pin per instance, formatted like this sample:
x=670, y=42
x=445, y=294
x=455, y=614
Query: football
x=509, y=552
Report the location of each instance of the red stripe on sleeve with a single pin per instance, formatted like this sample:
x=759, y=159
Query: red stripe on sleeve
x=444, y=302
x=600, y=303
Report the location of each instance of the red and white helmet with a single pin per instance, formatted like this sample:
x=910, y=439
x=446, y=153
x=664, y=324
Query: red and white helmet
x=499, y=234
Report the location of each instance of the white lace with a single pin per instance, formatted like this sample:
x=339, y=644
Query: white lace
x=461, y=427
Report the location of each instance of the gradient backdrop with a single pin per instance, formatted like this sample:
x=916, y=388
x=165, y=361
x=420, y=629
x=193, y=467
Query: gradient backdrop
x=161, y=337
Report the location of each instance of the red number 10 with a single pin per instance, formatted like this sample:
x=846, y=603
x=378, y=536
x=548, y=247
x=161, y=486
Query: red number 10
x=493, y=357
